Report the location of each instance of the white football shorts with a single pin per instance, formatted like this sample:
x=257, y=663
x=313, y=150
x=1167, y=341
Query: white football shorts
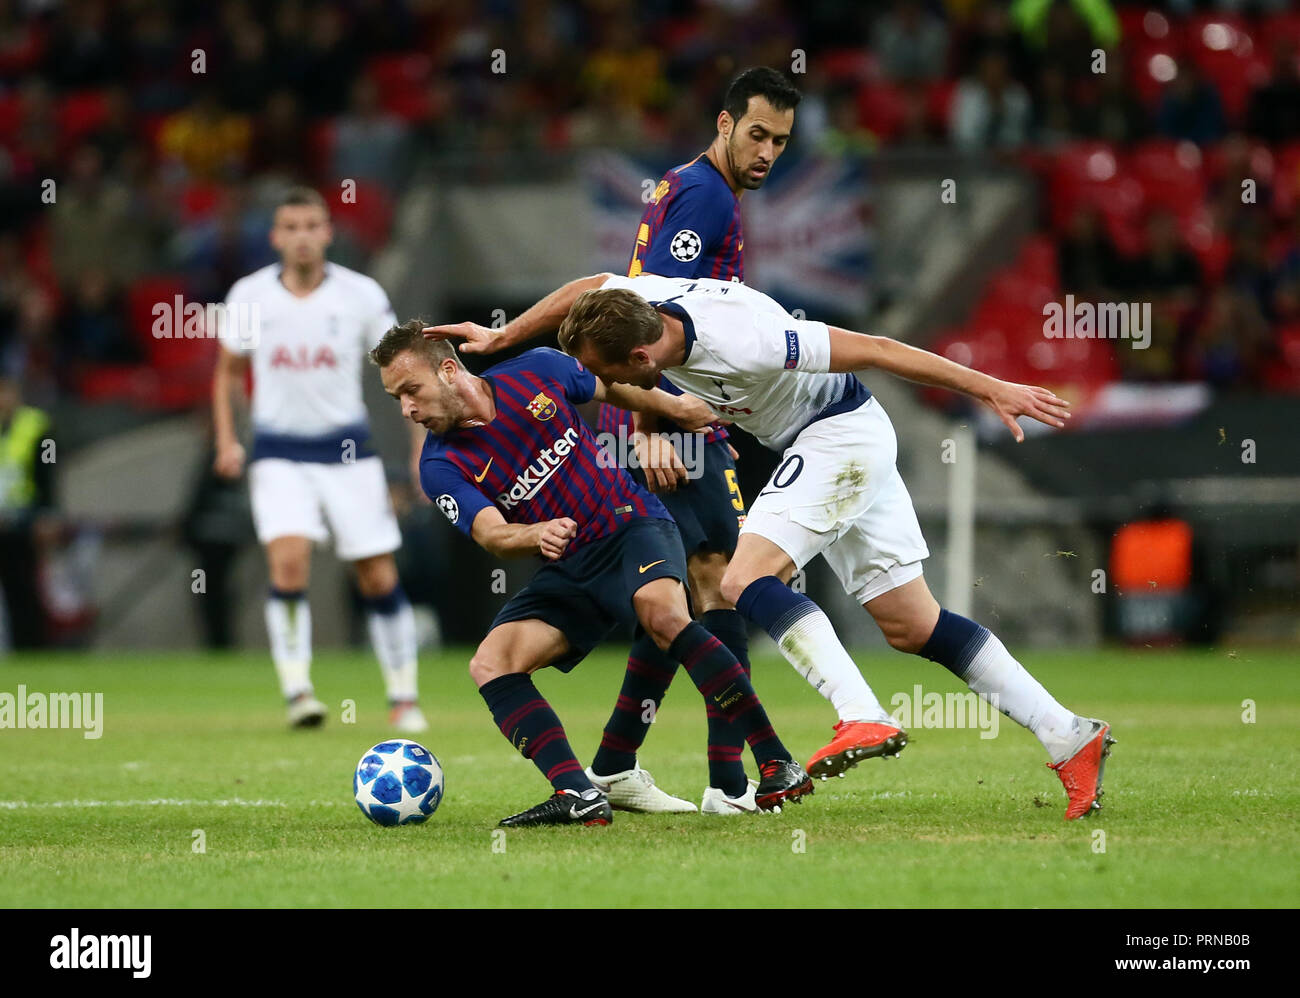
x=838, y=493
x=297, y=498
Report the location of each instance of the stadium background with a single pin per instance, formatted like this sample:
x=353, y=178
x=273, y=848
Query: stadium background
x=954, y=166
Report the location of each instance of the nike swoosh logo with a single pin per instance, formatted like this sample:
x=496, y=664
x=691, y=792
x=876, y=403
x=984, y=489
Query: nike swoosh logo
x=644, y=568
x=578, y=812
x=765, y=492
x=479, y=478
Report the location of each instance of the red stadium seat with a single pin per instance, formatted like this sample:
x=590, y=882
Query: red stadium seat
x=882, y=109
x=368, y=218
x=849, y=65
x=1123, y=207
x=1283, y=374
x=142, y=296
x=1146, y=26
x=11, y=115
x=1170, y=174
x=1285, y=25
x=1224, y=49
x=79, y=115
x=1015, y=286
x=115, y=383
x=1083, y=364
x=320, y=142
x=1207, y=241
x=402, y=81
x=1077, y=174
x=1260, y=158
x=938, y=103
x=1286, y=180
x=199, y=200
x=1009, y=316
x=1151, y=65
x=1038, y=260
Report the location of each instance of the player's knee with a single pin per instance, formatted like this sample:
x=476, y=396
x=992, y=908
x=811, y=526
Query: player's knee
x=733, y=584
x=290, y=574
x=663, y=623
x=485, y=668
x=376, y=576
x=706, y=574
x=905, y=635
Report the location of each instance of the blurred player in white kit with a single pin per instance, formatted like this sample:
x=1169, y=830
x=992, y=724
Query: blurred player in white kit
x=305, y=326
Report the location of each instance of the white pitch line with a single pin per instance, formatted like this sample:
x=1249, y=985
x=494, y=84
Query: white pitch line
x=18, y=805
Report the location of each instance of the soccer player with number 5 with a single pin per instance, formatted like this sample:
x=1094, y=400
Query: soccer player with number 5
x=691, y=228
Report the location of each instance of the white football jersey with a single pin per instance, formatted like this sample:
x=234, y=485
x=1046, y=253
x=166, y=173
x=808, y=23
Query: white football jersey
x=746, y=356
x=307, y=352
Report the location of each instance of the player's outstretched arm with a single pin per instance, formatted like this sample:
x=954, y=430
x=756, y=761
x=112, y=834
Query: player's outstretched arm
x=229, y=376
x=687, y=411
x=852, y=351
x=514, y=540
x=542, y=318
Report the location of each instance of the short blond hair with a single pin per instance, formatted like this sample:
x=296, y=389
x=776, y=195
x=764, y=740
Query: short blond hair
x=410, y=336
x=613, y=321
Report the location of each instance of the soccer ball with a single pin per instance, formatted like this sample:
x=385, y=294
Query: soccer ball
x=398, y=782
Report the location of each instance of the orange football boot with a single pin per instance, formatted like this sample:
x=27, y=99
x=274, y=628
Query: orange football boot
x=853, y=742
x=1081, y=773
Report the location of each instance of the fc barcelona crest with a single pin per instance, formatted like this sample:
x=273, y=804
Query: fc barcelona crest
x=542, y=407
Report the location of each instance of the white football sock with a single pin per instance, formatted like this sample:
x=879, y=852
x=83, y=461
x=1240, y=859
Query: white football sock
x=392, y=635
x=288, y=625
x=811, y=646
x=997, y=677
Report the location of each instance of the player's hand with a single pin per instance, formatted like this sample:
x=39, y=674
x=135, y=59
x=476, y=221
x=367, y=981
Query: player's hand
x=691, y=413
x=556, y=535
x=477, y=339
x=735, y=454
x=1010, y=400
x=229, y=462
x=659, y=460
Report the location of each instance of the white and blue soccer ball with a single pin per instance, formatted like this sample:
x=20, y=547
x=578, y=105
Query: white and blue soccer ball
x=398, y=782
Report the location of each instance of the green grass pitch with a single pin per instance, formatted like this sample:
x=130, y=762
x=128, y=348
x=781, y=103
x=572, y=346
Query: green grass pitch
x=1200, y=805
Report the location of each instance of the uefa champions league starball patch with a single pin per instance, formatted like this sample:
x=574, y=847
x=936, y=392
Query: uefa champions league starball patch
x=686, y=245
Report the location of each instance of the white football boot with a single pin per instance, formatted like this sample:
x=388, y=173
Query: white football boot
x=407, y=718
x=716, y=802
x=305, y=711
x=634, y=790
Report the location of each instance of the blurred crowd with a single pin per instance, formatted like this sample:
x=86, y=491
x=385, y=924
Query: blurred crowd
x=142, y=137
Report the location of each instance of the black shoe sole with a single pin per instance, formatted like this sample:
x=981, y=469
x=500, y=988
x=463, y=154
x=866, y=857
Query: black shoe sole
x=794, y=795
x=595, y=820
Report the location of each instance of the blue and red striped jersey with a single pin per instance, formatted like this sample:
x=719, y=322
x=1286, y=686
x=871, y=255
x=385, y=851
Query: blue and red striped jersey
x=691, y=228
x=537, y=460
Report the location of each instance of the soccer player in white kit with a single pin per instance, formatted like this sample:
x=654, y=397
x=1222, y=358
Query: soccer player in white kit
x=305, y=326
x=837, y=491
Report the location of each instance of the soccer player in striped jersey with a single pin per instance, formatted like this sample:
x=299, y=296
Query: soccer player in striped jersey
x=691, y=228
x=304, y=325
x=837, y=491
x=510, y=462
